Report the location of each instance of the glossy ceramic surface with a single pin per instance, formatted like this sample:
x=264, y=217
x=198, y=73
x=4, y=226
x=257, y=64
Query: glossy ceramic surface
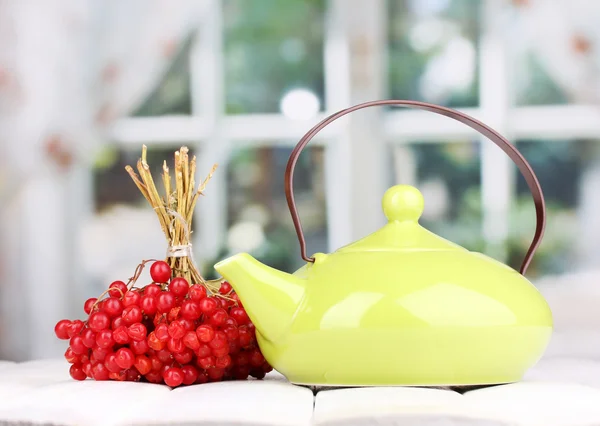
x=401, y=306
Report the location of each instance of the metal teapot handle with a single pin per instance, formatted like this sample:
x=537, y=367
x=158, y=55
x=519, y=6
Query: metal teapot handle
x=505, y=145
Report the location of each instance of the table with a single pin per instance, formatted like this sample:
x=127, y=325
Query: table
x=558, y=391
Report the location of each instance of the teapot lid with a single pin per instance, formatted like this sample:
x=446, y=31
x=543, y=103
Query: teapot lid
x=403, y=206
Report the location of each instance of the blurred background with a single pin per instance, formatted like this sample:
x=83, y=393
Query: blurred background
x=84, y=84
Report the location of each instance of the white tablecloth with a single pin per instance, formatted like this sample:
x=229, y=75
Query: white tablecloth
x=558, y=391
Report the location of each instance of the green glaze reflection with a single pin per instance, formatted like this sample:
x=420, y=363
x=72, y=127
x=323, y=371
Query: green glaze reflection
x=483, y=310
x=401, y=306
x=359, y=303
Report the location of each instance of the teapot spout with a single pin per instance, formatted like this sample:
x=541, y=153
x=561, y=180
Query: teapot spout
x=270, y=297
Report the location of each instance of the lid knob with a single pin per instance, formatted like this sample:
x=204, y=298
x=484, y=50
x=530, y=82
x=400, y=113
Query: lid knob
x=403, y=202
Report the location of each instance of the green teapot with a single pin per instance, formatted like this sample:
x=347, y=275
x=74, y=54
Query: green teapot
x=402, y=306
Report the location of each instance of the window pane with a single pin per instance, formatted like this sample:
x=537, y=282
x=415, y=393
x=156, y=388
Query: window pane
x=555, y=49
x=171, y=96
x=113, y=185
x=448, y=175
x=433, y=47
x=534, y=86
x=569, y=173
x=271, y=48
x=258, y=217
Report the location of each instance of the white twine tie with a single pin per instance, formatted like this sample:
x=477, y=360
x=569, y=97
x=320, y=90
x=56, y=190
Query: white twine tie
x=184, y=250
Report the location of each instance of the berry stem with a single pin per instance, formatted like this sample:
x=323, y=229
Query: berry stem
x=104, y=293
x=138, y=271
x=175, y=210
x=130, y=283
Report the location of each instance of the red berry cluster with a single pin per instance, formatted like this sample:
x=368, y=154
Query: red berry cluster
x=166, y=332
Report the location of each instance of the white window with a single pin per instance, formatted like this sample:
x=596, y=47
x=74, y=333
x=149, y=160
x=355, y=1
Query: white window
x=257, y=75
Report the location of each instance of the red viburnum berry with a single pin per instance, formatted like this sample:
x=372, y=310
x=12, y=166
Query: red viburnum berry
x=148, y=305
x=219, y=341
x=112, y=306
x=215, y=374
x=104, y=339
x=206, y=362
x=117, y=322
x=125, y=358
x=202, y=378
x=245, y=337
x=71, y=357
x=257, y=373
x=100, y=372
x=224, y=303
x=156, y=363
x=110, y=361
x=197, y=292
x=188, y=325
x=118, y=377
x=225, y=288
x=218, y=317
x=98, y=321
x=131, y=297
x=203, y=351
x=132, y=314
x=160, y=271
x=242, y=359
x=155, y=343
x=232, y=333
x=132, y=375
x=191, y=310
x=117, y=289
x=190, y=339
x=162, y=332
x=241, y=372
x=208, y=305
x=164, y=356
x=143, y=364
x=223, y=361
x=77, y=346
x=230, y=322
x=137, y=331
x=139, y=347
x=184, y=357
x=61, y=329
x=205, y=333
x=234, y=347
x=173, y=313
x=239, y=315
x=154, y=377
x=76, y=372
x=120, y=335
x=87, y=369
x=222, y=351
x=175, y=345
x=179, y=286
x=176, y=330
x=99, y=354
x=165, y=301
x=89, y=304
x=190, y=374
x=75, y=328
x=89, y=338
x=256, y=358
x=173, y=377
x=152, y=290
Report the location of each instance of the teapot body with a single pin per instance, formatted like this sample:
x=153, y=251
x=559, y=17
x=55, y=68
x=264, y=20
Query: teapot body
x=401, y=306
x=433, y=318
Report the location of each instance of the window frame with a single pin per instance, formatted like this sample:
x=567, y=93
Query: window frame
x=208, y=122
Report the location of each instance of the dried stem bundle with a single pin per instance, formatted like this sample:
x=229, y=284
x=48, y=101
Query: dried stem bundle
x=175, y=210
